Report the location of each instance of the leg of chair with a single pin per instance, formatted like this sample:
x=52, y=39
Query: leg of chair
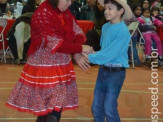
x=132, y=54
x=4, y=54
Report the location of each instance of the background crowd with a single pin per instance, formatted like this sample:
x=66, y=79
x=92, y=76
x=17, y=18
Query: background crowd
x=93, y=11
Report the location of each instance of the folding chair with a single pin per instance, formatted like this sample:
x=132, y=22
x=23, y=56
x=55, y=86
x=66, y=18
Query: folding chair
x=141, y=43
x=3, y=23
x=132, y=27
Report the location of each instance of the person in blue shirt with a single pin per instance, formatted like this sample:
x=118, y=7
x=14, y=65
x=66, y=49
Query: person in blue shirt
x=113, y=60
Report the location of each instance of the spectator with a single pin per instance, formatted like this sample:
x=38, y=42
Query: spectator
x=156, y=3
x=137, y=10
x=4, y=8
x=87, y=11
x=155, y=12
x=146, y=19
x=31, y=6
x=99, y=17
x=145, y=4
x=75, y=9
x=12, y=42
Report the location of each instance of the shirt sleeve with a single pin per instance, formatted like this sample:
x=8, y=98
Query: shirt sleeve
x=113, y=50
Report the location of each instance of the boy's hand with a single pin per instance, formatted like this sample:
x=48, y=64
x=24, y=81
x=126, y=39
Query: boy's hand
x=86, y=49
x=86, y=54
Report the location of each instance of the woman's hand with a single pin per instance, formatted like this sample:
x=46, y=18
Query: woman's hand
x=82, y=61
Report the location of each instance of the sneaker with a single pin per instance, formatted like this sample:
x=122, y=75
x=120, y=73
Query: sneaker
x=148, y=62
x=160, y=61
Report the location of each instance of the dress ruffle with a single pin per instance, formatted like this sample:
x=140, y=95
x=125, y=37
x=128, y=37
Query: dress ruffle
x=47, y=76
x=44, y=88
x=41, y=101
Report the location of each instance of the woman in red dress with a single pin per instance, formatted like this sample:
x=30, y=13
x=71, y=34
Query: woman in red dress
x=47, y=84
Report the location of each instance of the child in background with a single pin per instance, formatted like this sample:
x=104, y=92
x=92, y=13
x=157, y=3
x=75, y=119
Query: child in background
x=155, y=12
x=113, y=60
x=150, y=35
x=134, y=41
x=156, y=3
x=161, y=9
x=137, y=10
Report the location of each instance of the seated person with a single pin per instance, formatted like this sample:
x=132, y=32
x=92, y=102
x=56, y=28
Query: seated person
x=31, y=6
x=19, y=44
x=87, y=11
x=75, y=9
x=4, y=8
x=147, y=19
x=155, y=12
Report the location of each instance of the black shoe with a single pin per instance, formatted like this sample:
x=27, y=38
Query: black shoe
x=50, y=118
x=160, y=62
x=148, y=62
x=40, y=119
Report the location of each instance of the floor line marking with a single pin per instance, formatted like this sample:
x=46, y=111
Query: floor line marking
x=94, y=83
x=133, y=91
x=79, y=118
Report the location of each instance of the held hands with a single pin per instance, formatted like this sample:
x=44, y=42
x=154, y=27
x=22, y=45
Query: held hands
x=86, y=49
x=82, y=61
x=82, y=58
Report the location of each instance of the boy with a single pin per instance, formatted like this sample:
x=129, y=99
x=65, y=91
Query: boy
x=113, y=60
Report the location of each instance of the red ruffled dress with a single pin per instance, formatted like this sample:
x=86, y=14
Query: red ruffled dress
x=47, y=81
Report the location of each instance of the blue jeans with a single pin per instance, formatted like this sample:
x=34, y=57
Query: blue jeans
x=135, y=52
x=107, y=89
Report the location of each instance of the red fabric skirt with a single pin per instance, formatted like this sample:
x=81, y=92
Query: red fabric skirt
x=42, y=89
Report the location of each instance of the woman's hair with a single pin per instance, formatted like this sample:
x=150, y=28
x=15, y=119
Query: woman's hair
x=98, y=13
x=144, y=1
x=135, y=6
x=54, y=3
x=113, y=2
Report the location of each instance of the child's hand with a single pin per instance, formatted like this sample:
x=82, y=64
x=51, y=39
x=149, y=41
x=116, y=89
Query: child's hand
x=155, y=28
x=86, y=49
x=92, y=51
x=9, y=13
x=161, y=25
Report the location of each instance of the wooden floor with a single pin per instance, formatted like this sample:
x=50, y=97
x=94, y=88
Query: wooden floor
x=135, y=103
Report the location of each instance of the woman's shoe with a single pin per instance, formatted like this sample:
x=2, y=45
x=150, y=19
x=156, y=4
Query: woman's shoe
x=40, y=119
x=50, y=118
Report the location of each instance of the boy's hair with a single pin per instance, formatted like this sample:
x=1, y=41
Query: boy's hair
x=119, y=7
x=113, y=2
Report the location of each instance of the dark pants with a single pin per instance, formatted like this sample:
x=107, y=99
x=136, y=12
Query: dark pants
x=13, y=46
